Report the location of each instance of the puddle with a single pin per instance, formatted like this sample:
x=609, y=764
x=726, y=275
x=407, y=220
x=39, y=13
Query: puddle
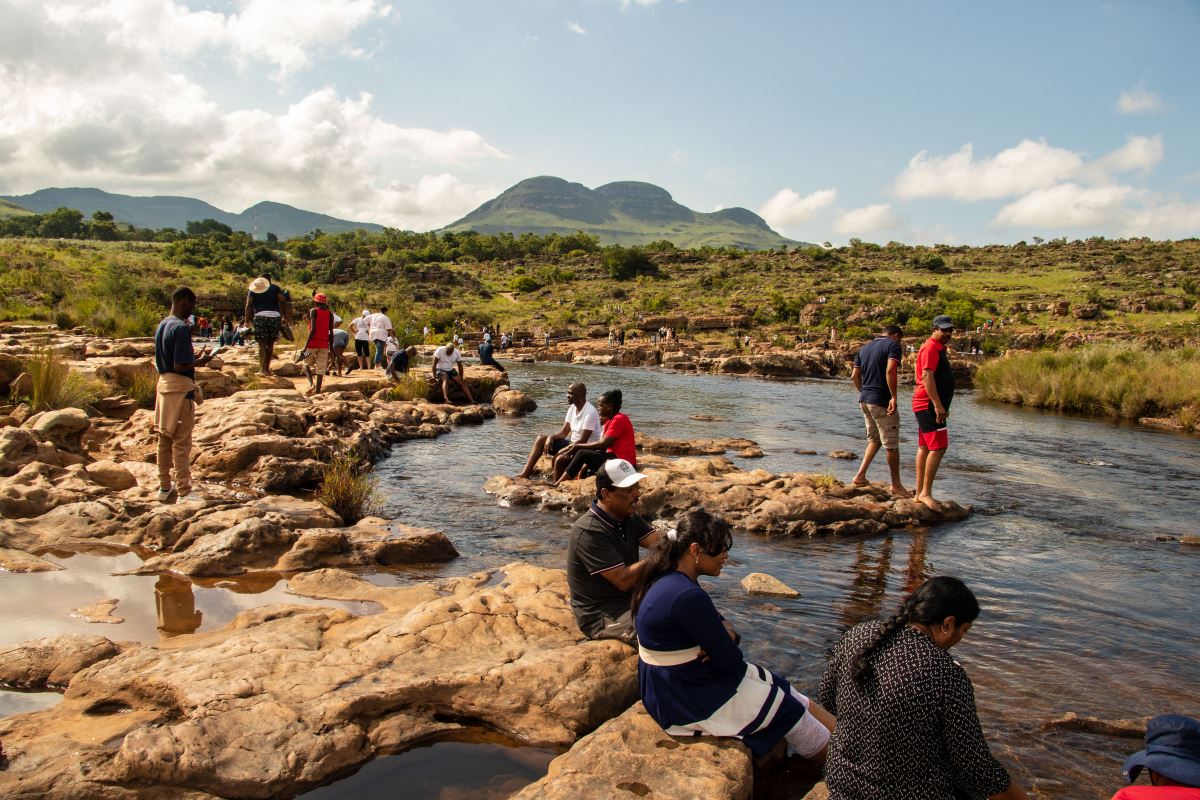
x=488, y=768
x=15, y=701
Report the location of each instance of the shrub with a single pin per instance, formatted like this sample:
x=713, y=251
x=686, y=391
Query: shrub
x=141, y=387
x=409, y=387
x=624, y=263
x=349, y=489
x=524, y=283
x=55, y=386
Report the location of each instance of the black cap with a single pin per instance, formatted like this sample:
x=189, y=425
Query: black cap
x=943, y=323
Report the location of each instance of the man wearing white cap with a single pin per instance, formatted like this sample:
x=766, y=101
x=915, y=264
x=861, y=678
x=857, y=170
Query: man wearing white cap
x=602, y=554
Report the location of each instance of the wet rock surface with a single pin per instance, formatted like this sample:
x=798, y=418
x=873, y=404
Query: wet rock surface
x=758, y=501
x=764, y=585
x=631, y=756
x=286, y=697
x=746, y=448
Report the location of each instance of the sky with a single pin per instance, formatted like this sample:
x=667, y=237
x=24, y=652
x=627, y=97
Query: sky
x=917, y=121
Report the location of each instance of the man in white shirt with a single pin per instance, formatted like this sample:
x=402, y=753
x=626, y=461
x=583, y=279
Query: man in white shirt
x=581, y=425
x=381, y=329
x=447, y=367
x=362, y=338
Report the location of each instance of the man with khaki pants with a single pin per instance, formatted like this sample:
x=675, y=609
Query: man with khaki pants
x=875, y=375
x=176, y=396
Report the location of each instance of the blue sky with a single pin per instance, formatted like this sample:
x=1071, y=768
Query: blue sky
x=919, y=121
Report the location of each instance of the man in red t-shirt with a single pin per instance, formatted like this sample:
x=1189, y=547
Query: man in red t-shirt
x=931, y=405
x=320, y=339
x=1171, y=757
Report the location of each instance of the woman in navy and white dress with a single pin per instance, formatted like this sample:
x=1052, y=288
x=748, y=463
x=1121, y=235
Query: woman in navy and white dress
x=691, y=673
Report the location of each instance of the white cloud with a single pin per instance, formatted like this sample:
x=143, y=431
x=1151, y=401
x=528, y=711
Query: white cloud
x=1067, y=205
x=1028, y=166
x=868, y=219
x=786, y=207
x=1172, y=218
x=1138, y=153
x=100, y=107
x=575, y=27
x=1139, y=100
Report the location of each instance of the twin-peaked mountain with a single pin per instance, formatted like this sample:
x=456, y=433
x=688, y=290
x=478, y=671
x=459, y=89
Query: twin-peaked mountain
x=624, y=212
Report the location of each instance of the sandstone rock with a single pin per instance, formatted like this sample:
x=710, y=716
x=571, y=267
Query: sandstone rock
x=111, y=475
x=513, y=402
x=117, y=407
x=52, y=662
x=764, y=585
x=1086, y=311
x=842, y=454
x=631, y=756
x=63, y=427
x=1070, y=721
x=696, y=447
x=706, y=418
x=10, y=367
x=1190, y=538
x=123, y=371
x=20, y=561
x=21, y=386
x=287, y=697
x=100, y=611
x=288, y=369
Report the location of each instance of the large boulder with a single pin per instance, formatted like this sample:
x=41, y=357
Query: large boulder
x=513, y=402
x=51, y=663
x=63, y=427
x=631, y=756
x=21, y=386
x=287, y=697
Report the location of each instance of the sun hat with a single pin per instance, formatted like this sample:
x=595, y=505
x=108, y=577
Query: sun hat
x=618, y=473
x=366, y=313
x=320, y=297
x=1172, y=750
x=259, y=285
x=943, y=323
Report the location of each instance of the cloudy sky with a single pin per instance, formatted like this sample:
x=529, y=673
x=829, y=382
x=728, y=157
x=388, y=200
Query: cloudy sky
x=920, y=121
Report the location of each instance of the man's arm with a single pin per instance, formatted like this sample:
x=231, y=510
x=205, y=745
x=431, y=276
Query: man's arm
x=563, y=432
x=856, y=377
x=625, y=576
x=893, y=381
x=246, y=311
x=931, y=389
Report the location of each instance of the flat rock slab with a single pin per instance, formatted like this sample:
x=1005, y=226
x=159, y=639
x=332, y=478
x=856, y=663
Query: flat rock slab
x=764, y=585
x=51, y=663
x=631, y=756
x=746, y=448
x=100, y=612
x=20, y=561
x=287, y=697
x=758, y=501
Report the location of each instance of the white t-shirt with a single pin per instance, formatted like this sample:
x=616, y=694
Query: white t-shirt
x=445, y=360
x=585, y=419
x=391, y=347
x=380, y=325
x=362, y=328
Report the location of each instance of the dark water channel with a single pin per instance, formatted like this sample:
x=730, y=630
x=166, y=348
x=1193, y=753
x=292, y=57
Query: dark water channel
x=1083, y=610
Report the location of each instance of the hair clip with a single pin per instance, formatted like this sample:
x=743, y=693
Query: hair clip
x=672, y=535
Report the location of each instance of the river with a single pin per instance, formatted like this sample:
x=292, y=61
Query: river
x=1083, y=610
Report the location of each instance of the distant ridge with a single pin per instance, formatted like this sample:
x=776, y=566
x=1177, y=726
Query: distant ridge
x=624, y=212
x=167, y=211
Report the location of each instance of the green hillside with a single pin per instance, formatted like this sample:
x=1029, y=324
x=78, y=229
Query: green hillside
x=11, y=209
x=624, y=212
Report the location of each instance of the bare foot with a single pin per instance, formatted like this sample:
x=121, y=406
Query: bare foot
x=930, y=503
x=312, y=390
x=857, y=482
x=900, y=491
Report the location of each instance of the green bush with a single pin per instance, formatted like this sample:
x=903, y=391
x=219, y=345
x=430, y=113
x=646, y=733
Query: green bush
x=625, y=263
x=349, y=489
x=524, y=283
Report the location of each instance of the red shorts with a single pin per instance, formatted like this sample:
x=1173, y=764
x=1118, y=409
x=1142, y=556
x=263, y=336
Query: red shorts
x=931, y=434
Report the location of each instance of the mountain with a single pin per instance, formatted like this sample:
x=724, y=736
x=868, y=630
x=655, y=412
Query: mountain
x=175, y=212
x=624, y=212
x=10, y=209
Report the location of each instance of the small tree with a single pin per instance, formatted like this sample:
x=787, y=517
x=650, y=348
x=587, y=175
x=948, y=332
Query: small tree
x=625, y=263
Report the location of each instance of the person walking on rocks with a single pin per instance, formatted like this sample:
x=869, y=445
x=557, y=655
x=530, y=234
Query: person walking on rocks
x=876, y=375
x=448, y=368
x=581, y=424
x=692, y=675
x=176, y=395
x=602, y=555
x=361, y=325
x=320, y=340
x=931, y=405
x=267, y=310
x=381, y=329
x=907, y=728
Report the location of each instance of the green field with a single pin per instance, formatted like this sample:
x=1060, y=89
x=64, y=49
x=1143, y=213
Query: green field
x=10, y=209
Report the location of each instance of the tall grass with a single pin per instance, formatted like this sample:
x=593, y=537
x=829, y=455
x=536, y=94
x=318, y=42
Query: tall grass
x=55, y=386
x=410, y=386
x=349, y=489
x=1116, y=381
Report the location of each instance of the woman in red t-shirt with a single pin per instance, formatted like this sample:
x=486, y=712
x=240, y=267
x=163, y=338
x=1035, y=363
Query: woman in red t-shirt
x=616, y=440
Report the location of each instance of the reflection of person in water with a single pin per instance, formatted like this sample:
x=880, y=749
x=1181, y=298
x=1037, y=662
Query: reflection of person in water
x=175, y=606
x=868, y=589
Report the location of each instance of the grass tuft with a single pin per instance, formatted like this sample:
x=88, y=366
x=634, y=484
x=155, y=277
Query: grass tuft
x=349, y=489
x=55, y=386
x=409, y=387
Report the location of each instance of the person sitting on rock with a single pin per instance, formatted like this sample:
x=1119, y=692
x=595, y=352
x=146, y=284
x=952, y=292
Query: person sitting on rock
x=486, y=357
x=616, y=441
x=602, y=554
x=1171, y=759
x=320, y=338
x=581, y=424
x=448, y=368
x=692, y=675
x=906, y=719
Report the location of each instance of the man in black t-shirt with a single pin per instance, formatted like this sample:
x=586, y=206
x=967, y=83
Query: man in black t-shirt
x=602, y=554
x=875, y=375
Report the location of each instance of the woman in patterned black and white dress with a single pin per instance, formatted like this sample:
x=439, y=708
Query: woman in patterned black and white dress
x=691, y=673
x=907, y=727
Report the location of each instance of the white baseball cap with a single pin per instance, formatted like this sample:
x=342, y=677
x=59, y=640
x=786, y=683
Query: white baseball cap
x=621, y=473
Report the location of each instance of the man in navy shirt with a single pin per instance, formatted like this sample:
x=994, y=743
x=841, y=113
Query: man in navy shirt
x=176, y=395
x=876, y=368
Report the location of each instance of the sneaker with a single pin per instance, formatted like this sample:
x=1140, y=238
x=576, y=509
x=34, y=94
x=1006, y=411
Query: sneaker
x=301, y=355
x=165, y=495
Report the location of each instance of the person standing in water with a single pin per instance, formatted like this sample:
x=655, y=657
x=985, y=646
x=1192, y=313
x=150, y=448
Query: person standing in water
x=876, y=376
x=931, y=405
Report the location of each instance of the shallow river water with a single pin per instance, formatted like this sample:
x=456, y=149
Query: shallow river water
x=1084, y=610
